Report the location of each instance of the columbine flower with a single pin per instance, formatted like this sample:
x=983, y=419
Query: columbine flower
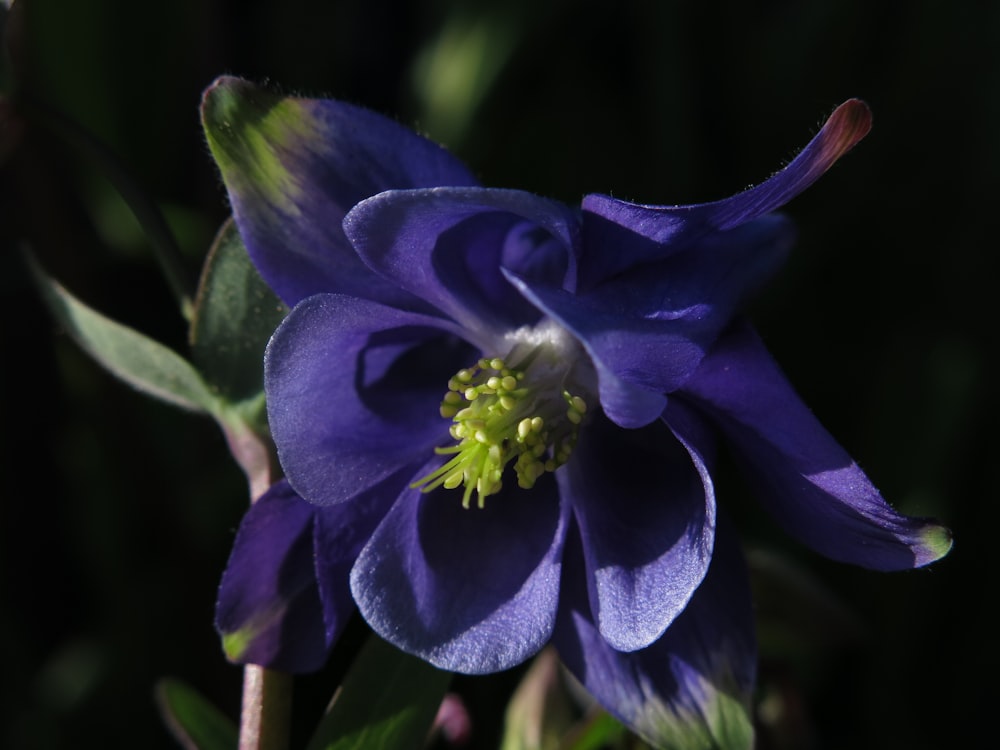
x=497, y=416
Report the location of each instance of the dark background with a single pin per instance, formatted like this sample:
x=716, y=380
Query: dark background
x=117, y=512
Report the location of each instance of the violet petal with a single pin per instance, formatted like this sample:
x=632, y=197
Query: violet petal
x=340, y=532
x=353, y=392
x=692, y=687
x=645, y=507
x=651, y=326
x=269, y=609
x=803, y=476
x=447, y=246
x=469, y=590
x=294, y=167
x=669, y=229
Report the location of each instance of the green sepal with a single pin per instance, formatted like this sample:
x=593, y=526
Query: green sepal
x=196, y=723
x=143, y=363
x=388, y=701
x=234, y=316
x=723, y=723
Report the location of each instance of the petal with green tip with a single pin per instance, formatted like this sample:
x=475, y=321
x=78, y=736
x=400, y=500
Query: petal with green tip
x=802, y=475
x=293, y=167
x=269, y=610
x=690, y=690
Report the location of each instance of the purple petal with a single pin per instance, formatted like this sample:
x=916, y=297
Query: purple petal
x=804, y=477
x=648, y=328
x=692, y=687
x=294, y=167
x=655, y=232
x=645, y=507
x=447, y=247
x=353, y=393
x=269, y=610
x=339, y=533
x=469, y=590
x=599, y=331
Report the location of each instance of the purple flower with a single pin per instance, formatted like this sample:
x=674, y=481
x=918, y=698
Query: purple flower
x=497, y=416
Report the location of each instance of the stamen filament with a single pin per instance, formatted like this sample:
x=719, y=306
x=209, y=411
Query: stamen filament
x=499, y=415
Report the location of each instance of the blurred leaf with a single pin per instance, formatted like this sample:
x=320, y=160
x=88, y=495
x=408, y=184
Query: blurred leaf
x=234, y=317
x=601, y=730
x=388, y=700
x=798, y=617
x=143, y=363
x=540, y=711
x=196, y=723
x=145, y=210
x=456, y=70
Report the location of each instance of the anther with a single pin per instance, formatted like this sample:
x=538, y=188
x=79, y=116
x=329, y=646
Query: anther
x=501, y=413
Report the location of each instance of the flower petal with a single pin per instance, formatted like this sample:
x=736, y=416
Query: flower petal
x=691, y=688
x=339, y=533
x=650, y=327
x=447, y=246
x=353, y=392
x=269, y=610
x=645, y=506
x=807, y=481
x=469, y=590
x=664, y=230
x=294, y=167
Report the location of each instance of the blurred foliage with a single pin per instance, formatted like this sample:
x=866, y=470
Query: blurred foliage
x=118, y=512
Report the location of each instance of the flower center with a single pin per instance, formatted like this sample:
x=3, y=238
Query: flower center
x=502, y=413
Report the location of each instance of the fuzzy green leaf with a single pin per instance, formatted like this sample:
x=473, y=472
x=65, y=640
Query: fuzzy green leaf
x=143, y=363
x=235, y=315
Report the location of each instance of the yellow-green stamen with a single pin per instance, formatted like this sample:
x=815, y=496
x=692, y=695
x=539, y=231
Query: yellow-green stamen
x=500, y=414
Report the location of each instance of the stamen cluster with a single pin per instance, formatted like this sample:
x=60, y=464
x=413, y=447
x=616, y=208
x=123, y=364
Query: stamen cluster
x=498, y=415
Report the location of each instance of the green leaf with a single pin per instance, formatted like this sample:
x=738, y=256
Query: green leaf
x=388, y=700
x=140, y=361
x=196, y=723
x=599, y=730
x=235, y=315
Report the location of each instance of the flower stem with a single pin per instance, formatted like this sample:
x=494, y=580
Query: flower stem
x=267, y=708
